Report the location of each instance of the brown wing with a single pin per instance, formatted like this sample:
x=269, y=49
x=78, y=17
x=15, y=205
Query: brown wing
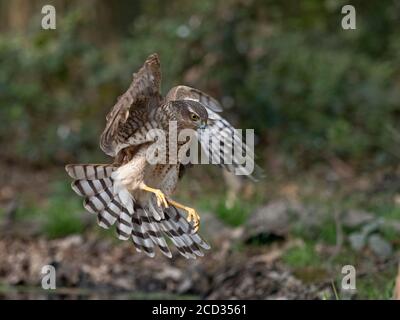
x=143, y=93
x=188, y=93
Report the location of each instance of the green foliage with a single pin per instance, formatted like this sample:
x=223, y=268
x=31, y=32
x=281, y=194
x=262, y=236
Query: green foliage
x=49, y=88
x=302, y=256
x=377, y=286
x=235, y=216
x=322, y=91
x=332, y=101
x=63, y=214
x=324, y=231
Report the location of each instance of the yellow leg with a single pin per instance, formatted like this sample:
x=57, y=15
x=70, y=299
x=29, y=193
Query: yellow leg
x=161, y=198
x=192, y=214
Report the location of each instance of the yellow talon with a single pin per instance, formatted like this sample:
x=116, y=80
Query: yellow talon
x=161, y=198
x=162, y=201
x=192, y=214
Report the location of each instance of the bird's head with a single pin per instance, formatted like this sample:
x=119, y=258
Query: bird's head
x=190, y=114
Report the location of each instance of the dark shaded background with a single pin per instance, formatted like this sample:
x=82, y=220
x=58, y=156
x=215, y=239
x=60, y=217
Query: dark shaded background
x=324, y=103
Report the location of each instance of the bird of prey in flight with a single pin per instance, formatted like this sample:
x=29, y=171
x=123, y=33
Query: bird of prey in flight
x=134, y=193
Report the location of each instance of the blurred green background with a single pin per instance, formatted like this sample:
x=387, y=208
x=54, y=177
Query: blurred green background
x=324, y=103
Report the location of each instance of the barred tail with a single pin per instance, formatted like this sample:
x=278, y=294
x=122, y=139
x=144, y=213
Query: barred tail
x=147, y=225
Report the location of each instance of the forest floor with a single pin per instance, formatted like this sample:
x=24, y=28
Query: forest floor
x=283, y=238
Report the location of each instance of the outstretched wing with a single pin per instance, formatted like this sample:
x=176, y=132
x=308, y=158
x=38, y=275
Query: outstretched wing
x=220, y=141
x=225, y=146
x=142, y=94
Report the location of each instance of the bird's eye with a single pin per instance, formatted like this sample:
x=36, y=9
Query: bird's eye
x=194, y=117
